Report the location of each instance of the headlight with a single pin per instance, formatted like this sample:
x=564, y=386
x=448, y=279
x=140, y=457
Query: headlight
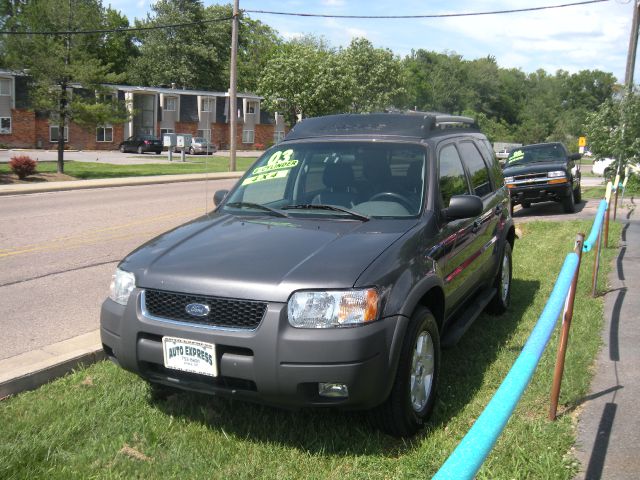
x=508, y=179
x=122, y=283
x=338, y=308
x=556, y=174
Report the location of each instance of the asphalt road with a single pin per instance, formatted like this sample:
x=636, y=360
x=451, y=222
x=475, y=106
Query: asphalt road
x=58, y=252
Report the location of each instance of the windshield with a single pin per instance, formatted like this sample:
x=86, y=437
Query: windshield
x=362, y=179
x=553, y=152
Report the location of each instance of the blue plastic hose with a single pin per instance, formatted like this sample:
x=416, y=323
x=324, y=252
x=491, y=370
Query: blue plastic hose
x=467, y=458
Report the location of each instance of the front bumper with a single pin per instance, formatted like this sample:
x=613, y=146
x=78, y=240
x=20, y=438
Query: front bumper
x=540, y=193
x=274, y=364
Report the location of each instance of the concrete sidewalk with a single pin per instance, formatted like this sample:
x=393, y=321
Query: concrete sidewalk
x=609, y=424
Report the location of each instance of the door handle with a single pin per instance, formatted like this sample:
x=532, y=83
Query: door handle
x=499, y=208
x=476, y=226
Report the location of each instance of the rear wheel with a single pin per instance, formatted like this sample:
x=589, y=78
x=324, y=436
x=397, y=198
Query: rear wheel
x=414, y=389
x=502, y=298
x=140, y=151
x=569, y=204
x=526, y=204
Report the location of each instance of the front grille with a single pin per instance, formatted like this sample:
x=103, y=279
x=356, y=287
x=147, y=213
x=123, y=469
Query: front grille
x=224, y=312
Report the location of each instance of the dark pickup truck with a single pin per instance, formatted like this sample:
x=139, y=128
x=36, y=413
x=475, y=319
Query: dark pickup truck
x=543, y=172
x=330, y=275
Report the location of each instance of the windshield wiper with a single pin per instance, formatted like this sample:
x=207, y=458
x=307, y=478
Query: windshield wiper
x=257, y=206
x=320, y=206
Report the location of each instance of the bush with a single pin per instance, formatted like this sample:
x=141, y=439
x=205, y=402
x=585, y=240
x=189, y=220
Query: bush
x=23, y=166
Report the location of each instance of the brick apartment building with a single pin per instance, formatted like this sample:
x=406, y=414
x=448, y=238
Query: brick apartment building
x=157, y=111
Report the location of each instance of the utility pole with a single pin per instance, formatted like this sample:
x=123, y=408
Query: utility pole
x=633, y=47
x=233, y=84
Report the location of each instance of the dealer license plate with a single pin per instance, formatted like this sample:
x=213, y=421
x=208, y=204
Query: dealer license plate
x=190, y=356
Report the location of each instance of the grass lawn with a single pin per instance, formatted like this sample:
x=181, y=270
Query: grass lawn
x=87, y=170
x=100, y=422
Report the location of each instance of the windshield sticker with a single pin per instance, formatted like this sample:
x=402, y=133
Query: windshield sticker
x=278, y=161
x=263, y=177
x=515, y=156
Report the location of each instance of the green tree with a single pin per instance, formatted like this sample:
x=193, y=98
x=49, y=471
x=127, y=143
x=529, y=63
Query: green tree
x=59, y=63
x=614, y=129
x=374, y=76
x=304, y=77
x=117, y=49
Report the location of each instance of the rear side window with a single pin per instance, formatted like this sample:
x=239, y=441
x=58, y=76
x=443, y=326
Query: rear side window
x=477, y=169
x=494, y=166
x=452, y=179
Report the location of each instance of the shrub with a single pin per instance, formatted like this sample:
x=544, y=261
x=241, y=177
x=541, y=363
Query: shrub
x=23, y=166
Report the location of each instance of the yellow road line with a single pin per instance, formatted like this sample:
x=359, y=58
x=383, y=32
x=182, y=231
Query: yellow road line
x=90, y=234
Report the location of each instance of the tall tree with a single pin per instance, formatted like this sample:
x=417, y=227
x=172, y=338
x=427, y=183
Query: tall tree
x=375, y=76
x=117, y=49
x=189, y=56
x=59, y=62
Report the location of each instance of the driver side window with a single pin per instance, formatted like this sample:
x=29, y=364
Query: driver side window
x=452, y=179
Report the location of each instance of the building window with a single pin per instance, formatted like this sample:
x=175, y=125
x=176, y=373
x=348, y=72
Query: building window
x=106, y=97
x=5, y=86
x=104, y=134
x=208, y=104
x=248, y=136
x=206, y=134
x=170, y=104
x=53, y=133
x=5, y=125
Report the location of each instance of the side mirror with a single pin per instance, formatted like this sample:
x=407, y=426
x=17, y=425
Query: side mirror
x=575, y=156
x=219, y=196
x=463, y=206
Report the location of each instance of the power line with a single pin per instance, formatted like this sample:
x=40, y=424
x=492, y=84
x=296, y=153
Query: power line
x=114, y=30
x=435, y=15
x=299, y=14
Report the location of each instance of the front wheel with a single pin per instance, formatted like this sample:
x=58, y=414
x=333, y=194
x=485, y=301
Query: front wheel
x=577, y=195
x=569, y=204
x=140, y=151
x=413, y=393
x=502, y=298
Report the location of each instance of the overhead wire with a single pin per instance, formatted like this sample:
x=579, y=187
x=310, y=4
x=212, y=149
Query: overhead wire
x=302, y=14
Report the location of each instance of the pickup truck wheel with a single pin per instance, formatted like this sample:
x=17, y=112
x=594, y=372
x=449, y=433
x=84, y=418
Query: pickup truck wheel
x=414, y=389
x=502, y=298
x=577, y=195
x=569, y=204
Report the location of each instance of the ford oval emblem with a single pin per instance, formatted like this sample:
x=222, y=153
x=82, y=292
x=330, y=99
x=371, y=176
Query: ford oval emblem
x=197, y=309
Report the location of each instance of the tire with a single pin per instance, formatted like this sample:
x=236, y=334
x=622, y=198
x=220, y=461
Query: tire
x=502, y=299
x=122, y=150
x=140, y=151
x=413, y=396
x=158, y=152
x=577, y=195
x=569, y=204
x=191, y=151
x=526, y=204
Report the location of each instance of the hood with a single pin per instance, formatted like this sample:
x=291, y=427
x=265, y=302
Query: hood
x=261, y=258
x=537, y=167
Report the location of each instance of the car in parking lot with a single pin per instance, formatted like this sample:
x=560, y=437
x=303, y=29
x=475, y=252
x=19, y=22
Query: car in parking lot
x=542, y=172
x=201, y=145
x=141, y=144
x=330, y=275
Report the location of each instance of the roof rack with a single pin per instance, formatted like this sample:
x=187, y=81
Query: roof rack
x=408, y=123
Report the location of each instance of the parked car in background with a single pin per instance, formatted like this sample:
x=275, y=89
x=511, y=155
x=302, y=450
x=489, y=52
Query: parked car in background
x=543, y=172
x=141, y=144
x=201, y=145
x=601, y=165
x=502, y=155
x=330, y=275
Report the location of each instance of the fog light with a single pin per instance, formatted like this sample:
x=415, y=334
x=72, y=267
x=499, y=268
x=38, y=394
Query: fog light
x=333, y=390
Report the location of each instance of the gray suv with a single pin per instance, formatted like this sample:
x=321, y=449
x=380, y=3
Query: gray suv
x=330, y=276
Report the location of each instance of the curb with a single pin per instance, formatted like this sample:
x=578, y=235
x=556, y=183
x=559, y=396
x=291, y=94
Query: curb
x=22, y=189
x=31, y=370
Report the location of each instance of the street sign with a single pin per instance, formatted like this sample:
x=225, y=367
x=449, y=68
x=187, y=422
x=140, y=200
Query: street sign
x=582, y=141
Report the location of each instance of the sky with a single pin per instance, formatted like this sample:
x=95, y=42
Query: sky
x=585, y=37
